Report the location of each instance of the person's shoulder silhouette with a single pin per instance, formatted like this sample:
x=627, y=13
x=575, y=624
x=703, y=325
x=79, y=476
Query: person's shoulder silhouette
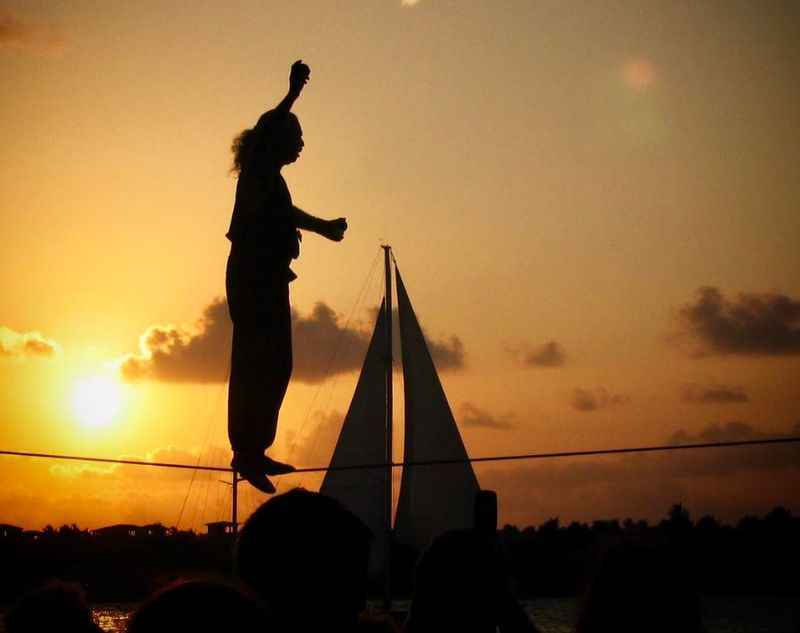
x=302, y=548
x=200, y=606
x=461, y=585
x=640, y=588
x=58, y=606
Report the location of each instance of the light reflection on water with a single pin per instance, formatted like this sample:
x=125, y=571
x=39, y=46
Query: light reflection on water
x=551, y=615
x=746, y=614
x=112, y=618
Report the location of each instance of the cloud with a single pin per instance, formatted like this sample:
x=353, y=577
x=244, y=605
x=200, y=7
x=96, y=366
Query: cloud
x=95, y=494
x=26, y=345
x=172, y=353
x=23, y=35
x=210, y=456
x=714, y=394
x=447, y=354
x=728, y=482
x=549, y=354
x=766, y=324
x=315, y=446
x=586, y=400
x=729, y=432
x=323, y=346
x=727, y=460
x=475, y=416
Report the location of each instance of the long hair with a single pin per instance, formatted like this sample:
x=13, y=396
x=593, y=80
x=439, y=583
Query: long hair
x=242, y=147
x=254, y=144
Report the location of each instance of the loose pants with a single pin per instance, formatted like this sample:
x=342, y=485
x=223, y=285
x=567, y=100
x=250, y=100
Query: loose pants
x=261, y=351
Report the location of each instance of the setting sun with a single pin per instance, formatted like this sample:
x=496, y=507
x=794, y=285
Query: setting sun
x=96, y=400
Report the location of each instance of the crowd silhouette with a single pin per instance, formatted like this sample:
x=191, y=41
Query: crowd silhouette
x=301, y=563
x=58, y=606
x=293, y=576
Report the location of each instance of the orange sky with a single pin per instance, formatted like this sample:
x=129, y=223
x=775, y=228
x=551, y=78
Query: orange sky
x=546, y=172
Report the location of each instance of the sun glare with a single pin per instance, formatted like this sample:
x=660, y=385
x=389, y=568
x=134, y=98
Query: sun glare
x=639, y=74
x=96, y=400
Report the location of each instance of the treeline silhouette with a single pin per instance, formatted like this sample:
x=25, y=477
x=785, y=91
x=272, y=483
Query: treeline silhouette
x=757, y=555
x=111, y=569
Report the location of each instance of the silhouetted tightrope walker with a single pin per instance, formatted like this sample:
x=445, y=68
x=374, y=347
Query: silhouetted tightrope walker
x=264, y=239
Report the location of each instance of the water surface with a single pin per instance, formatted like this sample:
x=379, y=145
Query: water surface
x=740, y=614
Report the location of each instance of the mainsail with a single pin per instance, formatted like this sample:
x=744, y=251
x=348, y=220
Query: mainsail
x=434, y=498
x=363, y=441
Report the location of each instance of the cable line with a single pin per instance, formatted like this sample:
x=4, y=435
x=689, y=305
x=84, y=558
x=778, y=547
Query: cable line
x=108, y=460
x=431, y=462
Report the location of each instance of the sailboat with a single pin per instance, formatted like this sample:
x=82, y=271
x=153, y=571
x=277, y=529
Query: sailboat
x=433, y=498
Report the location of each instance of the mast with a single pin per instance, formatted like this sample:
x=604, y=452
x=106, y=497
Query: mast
x=387, y=570
x=235, y=502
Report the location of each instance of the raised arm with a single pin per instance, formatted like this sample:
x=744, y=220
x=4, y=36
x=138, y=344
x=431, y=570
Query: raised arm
x=331, y=229
x=298, y=77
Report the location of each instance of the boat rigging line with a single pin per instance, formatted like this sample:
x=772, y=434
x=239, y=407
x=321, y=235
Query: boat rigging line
x=429, y=462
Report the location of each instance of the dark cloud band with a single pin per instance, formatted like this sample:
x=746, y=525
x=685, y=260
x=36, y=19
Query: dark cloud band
x=322, y=347
x=471, y=415
x=590, y=400
x=714, y=394
x=766, y=324
x=549, y=354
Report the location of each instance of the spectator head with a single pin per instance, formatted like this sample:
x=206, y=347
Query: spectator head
x=640, y=588
x=458, y=585
x=58, y=606
x=307, y=557
x=199, y=606
x=376, y=622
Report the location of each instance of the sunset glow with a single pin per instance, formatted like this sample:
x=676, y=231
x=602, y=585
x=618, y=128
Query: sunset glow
x=594, y=207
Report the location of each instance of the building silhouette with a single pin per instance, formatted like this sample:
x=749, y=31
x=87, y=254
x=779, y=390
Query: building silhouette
x=10, y=532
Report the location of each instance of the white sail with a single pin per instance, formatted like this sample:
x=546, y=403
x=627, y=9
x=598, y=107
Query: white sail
x=363, y=441
x=435, y=498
